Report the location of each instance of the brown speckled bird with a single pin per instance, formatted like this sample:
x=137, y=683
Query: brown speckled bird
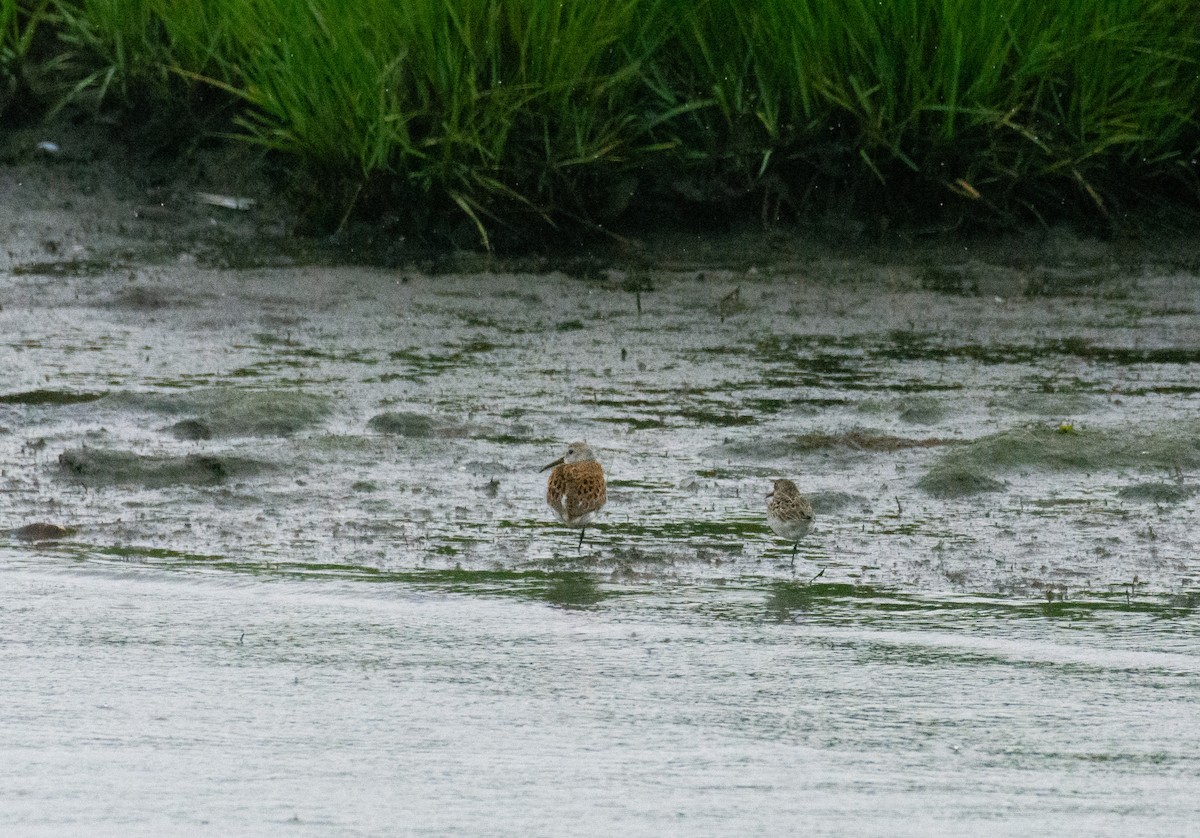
x=576, y=489
x=788, y=512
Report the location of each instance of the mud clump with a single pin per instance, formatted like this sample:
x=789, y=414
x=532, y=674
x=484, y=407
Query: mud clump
x=264, y=412
x=191, y=429
x=232, y=411
x=858, y=439
x=48, y=397
x=824, y=503
x=957, y=482
x=921, y=410
x=414, y=426
x=66, y=268
x=969, y=468
x=143, y=298
x=42, y=532
x=1157, y=492
x=100, y=467
x=864, y=440
x=1048, y=405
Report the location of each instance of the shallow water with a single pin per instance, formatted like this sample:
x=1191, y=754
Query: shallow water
x=312, y=583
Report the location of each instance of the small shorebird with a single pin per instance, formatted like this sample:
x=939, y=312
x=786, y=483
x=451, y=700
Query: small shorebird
x=788, y=512
x=576, y=490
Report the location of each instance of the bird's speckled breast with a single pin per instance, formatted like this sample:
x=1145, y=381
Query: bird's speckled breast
x=576, y=491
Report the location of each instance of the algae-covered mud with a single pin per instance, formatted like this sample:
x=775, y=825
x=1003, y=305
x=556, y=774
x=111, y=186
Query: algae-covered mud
x=384, y=422
x=278, y=555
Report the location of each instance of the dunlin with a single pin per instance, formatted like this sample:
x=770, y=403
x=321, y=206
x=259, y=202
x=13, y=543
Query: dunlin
x=788, y=512
x=576, y=489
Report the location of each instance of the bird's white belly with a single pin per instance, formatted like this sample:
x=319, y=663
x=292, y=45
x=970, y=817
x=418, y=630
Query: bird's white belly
x=560, y=512
x=791, y=530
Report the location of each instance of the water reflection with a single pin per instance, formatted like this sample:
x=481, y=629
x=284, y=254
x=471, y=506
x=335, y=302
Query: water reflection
x=573, y=590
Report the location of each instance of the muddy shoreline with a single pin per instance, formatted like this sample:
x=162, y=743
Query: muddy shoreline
x=98, y=203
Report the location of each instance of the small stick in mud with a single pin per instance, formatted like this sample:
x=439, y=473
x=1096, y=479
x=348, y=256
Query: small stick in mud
x=1131, y=590
x=730, y=303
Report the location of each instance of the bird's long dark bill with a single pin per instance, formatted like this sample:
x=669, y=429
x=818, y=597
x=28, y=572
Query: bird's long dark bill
x=557, y=462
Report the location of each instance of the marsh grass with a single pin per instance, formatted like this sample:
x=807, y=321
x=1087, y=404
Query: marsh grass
x=14, y=38
x=502, y=111
x=18, y=28
x=991, y=102
x=476, y=103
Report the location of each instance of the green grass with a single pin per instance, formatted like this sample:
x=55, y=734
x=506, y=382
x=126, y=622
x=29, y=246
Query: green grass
x=998, y=100
x=564, y=111
x=477, y=104
x=18, y=27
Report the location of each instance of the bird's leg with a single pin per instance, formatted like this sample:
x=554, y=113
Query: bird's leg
x=795, y=544
x=818, y=576
x=582, y=530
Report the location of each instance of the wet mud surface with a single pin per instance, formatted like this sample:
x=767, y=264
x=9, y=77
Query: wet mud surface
x=1029, y=445
x=289, y=514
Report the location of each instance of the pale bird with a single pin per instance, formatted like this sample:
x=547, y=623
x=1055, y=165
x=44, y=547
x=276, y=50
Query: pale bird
x=788, y=512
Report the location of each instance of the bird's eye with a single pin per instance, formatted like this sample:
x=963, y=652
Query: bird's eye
x=570, y=450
